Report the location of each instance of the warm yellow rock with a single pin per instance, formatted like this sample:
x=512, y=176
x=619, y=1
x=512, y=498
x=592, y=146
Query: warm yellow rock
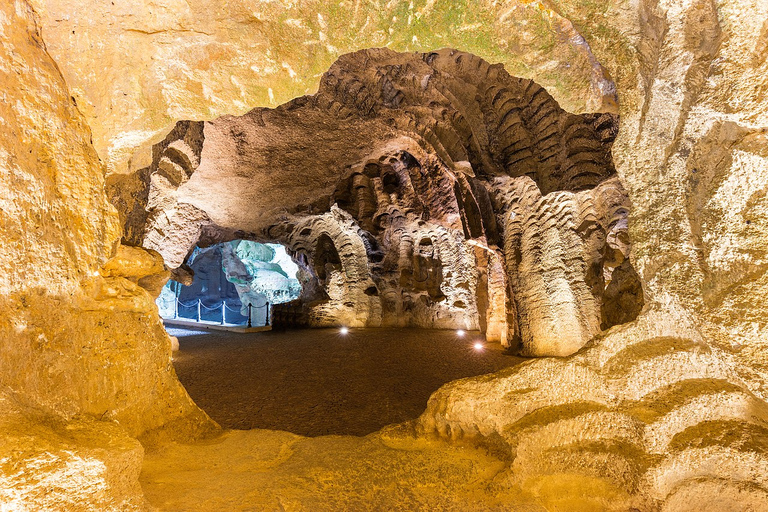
x=665, y=413
x=50, y=464
x=649, y=412
x=133, y=263
x=136, y=67
x=71, y=340
x=689, y=154
x=268, y=470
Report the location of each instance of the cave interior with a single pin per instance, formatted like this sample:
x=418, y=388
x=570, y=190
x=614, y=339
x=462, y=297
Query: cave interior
x=445, y=257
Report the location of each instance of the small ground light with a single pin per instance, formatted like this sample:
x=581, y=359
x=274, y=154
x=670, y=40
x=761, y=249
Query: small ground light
x=343, y=330
x=478, y=346
x=460, y=333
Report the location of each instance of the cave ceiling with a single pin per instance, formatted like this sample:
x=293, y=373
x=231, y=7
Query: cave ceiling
x=412, y=164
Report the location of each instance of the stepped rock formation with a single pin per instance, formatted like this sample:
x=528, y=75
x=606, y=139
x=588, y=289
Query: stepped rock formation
x=666, y=412
x=649, y=416
x=419, y=165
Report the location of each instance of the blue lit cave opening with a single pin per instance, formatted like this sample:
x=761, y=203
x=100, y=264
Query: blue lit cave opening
x=232, y=281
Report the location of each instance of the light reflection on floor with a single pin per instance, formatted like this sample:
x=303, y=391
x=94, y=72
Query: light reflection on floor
x=180, y=333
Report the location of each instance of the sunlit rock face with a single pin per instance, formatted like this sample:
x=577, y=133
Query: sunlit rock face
x=394, y=184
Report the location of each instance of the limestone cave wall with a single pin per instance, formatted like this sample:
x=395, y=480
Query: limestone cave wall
x=79, y=329
x=666, y=412
x=81, y=348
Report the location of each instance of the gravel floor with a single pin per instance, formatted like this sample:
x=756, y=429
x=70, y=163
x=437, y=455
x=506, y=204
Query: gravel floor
x=317, y=381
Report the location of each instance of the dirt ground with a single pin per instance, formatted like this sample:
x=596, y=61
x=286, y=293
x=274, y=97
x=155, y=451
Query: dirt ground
x=316, y=382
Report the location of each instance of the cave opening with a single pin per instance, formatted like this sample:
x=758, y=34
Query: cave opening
x=230, y=284
x=423, y=196
x=472, y=203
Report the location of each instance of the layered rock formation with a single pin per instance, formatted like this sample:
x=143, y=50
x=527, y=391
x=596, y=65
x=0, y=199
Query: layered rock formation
x=666, y=412
x=421, y=165
x=648, y=416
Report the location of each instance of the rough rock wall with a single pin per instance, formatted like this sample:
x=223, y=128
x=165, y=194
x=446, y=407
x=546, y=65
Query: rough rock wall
x=79, y=333
x=563, y=252
x=200, y=59
x=648, y=417
x=683, y=70
x=667, y=412
x=81, y=464
x=413, y=155
x=679, y=92
x=693, y=153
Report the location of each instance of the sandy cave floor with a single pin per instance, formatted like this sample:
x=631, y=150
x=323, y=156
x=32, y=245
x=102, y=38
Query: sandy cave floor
x=265, y=470
x=316, y=382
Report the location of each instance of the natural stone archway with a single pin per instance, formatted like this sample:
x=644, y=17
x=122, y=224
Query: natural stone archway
x=427, y=163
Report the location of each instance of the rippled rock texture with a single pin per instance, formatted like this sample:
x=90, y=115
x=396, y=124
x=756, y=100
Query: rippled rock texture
x=404, y=188
x=665, y=412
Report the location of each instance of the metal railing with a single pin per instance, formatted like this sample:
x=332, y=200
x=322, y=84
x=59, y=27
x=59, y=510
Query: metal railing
x=200, y=308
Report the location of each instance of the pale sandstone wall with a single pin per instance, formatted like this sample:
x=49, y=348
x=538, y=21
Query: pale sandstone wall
x=79, y=331
x=693, y=157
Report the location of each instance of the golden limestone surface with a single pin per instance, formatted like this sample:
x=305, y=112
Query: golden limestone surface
x=663, y=412
x=81, y=345
x=138, y=66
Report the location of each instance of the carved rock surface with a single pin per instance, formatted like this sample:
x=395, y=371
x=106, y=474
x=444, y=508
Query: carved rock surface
x=392, y=182
x=200, y=59
x=679, y=420
x=646, y=416
x=50, y=464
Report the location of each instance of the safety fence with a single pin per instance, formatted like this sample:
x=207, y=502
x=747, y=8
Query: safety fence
x=197, y=311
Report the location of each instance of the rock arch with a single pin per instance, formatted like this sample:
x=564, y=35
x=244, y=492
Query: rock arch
x=515, y=196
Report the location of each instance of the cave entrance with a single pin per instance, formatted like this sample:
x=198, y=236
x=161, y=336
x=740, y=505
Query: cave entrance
x=235, y=284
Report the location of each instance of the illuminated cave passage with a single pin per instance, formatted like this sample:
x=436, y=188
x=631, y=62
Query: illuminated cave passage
x=231, y=283
x=418, y=193
x=440, y=193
